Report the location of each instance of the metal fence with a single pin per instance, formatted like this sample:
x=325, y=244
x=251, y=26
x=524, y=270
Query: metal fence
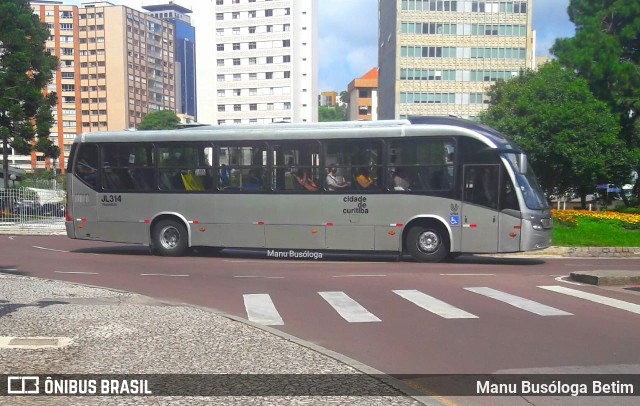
x=32, y=209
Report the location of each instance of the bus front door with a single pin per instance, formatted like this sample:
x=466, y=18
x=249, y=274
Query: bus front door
x=479, y=212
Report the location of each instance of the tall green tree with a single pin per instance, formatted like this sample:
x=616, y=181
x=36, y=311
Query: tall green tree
x=25, y=69
x=570, y=136
x=606, y=52
x=159, y=120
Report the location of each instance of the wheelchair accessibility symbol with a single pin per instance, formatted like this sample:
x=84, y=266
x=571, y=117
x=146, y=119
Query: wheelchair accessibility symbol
x=454, y=220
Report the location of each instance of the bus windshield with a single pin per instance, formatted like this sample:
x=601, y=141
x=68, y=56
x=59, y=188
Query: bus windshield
x=527, y=182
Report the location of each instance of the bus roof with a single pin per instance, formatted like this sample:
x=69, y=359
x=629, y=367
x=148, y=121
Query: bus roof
x=414, y=126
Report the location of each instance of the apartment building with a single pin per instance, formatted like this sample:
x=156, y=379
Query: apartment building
x=258, y=62
x=363, y=97
x=328, y=99
x=185, y=56
x=438, y=57
x=116, y=65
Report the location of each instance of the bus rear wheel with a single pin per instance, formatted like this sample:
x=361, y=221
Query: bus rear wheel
x=169, y=238
x=427, y=244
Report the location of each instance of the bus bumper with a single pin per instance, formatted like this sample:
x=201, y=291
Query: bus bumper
x=71, y=232
x=534, y=239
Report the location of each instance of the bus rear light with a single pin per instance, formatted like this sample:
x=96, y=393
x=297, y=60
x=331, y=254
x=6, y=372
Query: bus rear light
x=147, y=221
x=67, y=216
x=517, y=227
x=512, y=234
x=314, y=231
x=196, y=222
x=392, y=232
x=202, y=229
x=396, y=225
x=259, y=223
x=328, y=224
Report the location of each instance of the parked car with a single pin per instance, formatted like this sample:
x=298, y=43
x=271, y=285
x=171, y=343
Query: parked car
x=53, y=209
x=27, y=207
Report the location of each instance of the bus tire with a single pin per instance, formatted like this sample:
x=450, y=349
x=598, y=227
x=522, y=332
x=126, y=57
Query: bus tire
x=427, y=243
x=170, y=238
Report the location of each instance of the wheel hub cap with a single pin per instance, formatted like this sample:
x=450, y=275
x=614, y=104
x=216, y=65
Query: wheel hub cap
x=428, y=241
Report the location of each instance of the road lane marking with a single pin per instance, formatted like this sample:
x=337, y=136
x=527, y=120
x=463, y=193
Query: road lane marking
x=261, y=310
x=258, y=277
x=48, y=249
x=519, y=302
x=162, y=274
x=349, y=309
x=356, y=276
x=12, y=238
x=80, y=273
x=607, y=301
x=434, y=305
x=467, y=274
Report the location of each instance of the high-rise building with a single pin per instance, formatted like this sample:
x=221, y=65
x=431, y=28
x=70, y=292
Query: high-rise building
x=438, y=57
x=185, y=55
x=258, y=62
x=116, y=65
x=363, y=97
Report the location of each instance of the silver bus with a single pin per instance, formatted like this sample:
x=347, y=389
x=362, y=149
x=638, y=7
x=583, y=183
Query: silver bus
x=430, y=187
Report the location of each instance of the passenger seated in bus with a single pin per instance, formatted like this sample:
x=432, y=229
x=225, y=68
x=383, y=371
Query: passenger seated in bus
x=253, y=180
x=399, y=180
x=224, y=176
x=363, y=179
x=87, y=173
x=332, y=182
x=304, y=179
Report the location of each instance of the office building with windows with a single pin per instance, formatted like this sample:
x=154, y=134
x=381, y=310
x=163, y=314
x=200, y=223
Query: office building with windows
x=116, y=65
x=438, y=57
x=258, y=63
x=185, y=55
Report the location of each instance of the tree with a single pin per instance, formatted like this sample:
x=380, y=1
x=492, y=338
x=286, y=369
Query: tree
x=159, y=120
x=570, y=136
x=606, y=52
x=25, y=69
x=331, y=114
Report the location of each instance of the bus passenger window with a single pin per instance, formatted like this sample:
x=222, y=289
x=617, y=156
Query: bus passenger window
x=185, y=167
x=86, y=166
x=296, y=166
x=242, y=168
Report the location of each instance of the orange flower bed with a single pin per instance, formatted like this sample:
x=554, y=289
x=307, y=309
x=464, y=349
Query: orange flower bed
x=568, y=217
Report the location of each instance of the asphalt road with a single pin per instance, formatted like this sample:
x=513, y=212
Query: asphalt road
x=478, y=315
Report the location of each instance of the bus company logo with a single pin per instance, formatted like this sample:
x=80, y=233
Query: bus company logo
x=454, y=208
x=23, y=385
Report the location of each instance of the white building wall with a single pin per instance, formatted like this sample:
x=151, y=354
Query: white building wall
x=256, y=61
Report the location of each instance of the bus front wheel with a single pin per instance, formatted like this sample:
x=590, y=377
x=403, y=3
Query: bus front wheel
x=169, y=238
x=427, y=243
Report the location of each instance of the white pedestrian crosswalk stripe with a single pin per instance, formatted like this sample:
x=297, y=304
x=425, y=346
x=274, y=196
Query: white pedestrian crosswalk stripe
x=520, y=302
x=618, y=304
x=349, y=309
x=260, y=309
x=434, y=305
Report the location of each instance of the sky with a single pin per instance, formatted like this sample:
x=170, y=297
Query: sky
x=348, y=34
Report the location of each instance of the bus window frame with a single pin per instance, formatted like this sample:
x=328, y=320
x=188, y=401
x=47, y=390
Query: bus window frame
x=266, y=178
x=192, y=144
x=273, y=166
x=381, y=165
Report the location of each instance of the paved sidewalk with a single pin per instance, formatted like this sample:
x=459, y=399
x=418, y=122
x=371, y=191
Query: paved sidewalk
x=102, y=331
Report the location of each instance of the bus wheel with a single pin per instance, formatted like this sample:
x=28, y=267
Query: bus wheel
x=426, y=244
x=169, y=238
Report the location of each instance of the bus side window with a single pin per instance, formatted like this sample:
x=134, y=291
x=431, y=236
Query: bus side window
x=87, y=163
